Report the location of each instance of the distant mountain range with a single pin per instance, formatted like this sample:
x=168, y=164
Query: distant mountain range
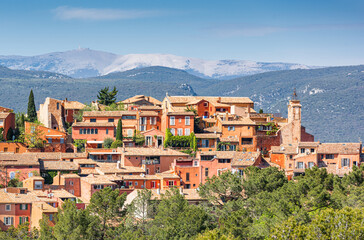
x=332, y=98
x=84, y=62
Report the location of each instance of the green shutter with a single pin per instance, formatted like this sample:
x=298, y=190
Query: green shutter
x=27, y=219
x=26, y=206
x=20, y=218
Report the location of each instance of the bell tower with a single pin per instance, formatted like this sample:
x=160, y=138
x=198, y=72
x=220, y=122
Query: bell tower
x=294, y=117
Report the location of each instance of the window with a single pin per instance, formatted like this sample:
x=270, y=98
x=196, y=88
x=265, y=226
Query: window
x=153, y=184
x=49, y=140
x=195, y=163
x=1, y=122
x=187, y=186
x=5, y=149
x=355, y=163
x=92, y=131
x=110, y=120
x=23, y=206
x=93, y=120
x=290, y=156
x=206, y=172
x=207, y=157
x=172, y=121
x=149, y=140
x=136, y=184
x=50, y=217
x=143, y=121
x=232, y=147
x=71, y=183
x=205, y=104
x=147, y=171
x=302, y=150
x=311, y=164
x=98, y=186
x=81, y=132
x=205, y=143
x=188, y=177
x=231, y=128
x=130, y=132
x=329, y=156
x=224, y=160
x=173, y=131
x=157, y=170
x=107, y=131
x=38, y=185
x=312, y=150
x=8, y=221
x=12, y=175
x=345, y=162
x=128, y=117
x=96, y=131
x=30, y=174
x=187, y=132
x=187, y=121
x=16, y=150
x=62, y=140
x=180, y=120
x=153, y=121
x=142, y=128
x=179, y=131
x=57, y=106
x=247, y=141
x=23, y=220
x=170, y=184
x=88, y=131
x=7, y=207
x=300, y=165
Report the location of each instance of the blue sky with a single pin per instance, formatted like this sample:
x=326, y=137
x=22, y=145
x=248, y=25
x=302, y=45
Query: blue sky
x=321, y=32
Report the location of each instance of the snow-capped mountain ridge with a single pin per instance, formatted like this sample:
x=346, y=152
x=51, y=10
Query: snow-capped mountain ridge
x=85, y=62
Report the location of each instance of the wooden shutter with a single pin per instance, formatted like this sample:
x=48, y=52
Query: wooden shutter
x=26, y=206
x=20, y=218
x=12, y=221
x=27, y=219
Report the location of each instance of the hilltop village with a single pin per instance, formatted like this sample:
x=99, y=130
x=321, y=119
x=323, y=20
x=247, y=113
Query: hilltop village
x=70, y=151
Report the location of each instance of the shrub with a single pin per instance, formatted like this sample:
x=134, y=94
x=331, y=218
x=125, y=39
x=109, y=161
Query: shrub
x=108, y=142
x=117, y=143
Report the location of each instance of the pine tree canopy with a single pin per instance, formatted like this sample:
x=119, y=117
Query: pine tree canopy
x=107, y=97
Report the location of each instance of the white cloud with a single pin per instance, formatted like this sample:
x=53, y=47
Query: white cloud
x=96, y=14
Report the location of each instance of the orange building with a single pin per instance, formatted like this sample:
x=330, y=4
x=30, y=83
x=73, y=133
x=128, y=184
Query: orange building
x=13, y=147
x=153, y=138
x=7, y=121
x=154, y=160
x=17, y=165
x=55, y=140
x=179, y=123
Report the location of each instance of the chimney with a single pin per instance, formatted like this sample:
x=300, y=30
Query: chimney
x=219, y=99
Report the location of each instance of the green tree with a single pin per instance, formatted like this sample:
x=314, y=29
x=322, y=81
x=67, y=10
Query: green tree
x=107, y=206
x=75, y=224
x=267, y=179
x=176, y=219
x=107, y=97
x=9, y=134
x=116, y=144
x=32, y=112
x=108, y=142
x=219, y=189
x=193, y=142
x=2, y=134
x=119, y=131
x=33, y=139
x=80, y=144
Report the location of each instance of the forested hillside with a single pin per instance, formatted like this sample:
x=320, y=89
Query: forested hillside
x=332, y=98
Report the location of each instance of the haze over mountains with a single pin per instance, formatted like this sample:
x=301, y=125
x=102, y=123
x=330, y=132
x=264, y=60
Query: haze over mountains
x=84, y=62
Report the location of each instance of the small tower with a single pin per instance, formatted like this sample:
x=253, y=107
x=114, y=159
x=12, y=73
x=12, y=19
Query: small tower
x=294, y=117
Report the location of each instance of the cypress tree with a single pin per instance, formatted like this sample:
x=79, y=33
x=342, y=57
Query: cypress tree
x=9, y=135
x=32, y=112
x=119, y=131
